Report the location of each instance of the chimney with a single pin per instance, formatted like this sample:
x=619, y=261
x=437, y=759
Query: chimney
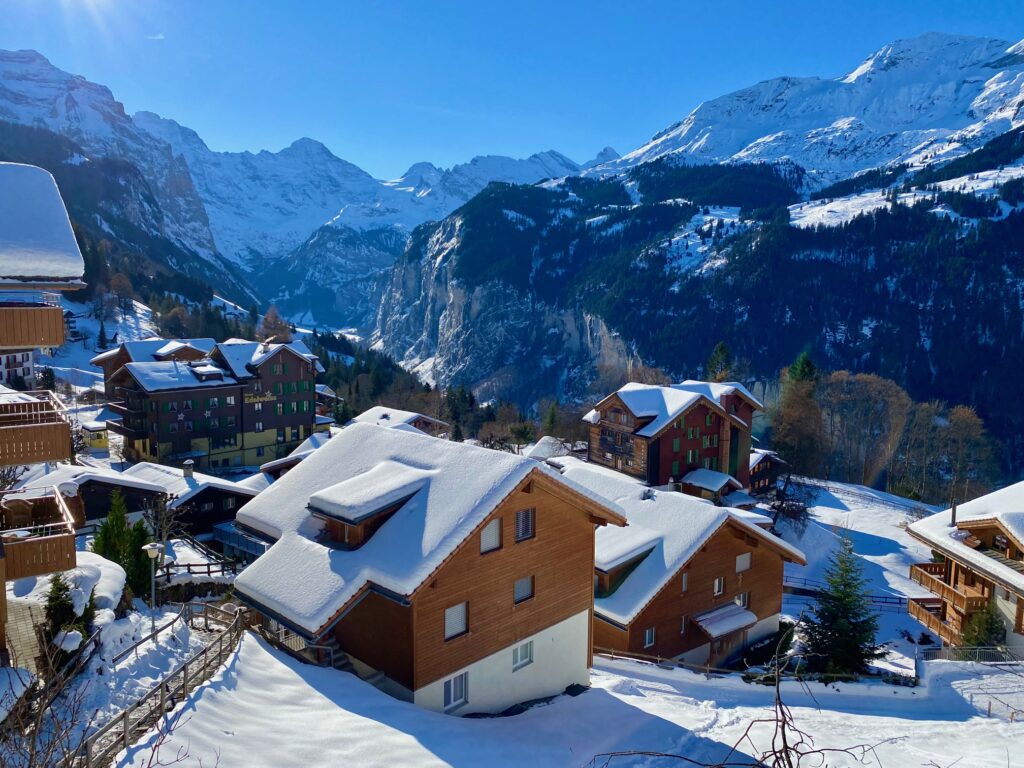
x=952, y=517
x=186, y=468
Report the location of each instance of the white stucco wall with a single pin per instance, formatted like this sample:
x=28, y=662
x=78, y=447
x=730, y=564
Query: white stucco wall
x=1007, y=607
x=560, y=658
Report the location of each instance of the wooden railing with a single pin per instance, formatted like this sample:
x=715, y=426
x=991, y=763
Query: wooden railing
x=40, y=549
x=923, y=574
x=122, y=730
x=33, y=429
x=918, y=609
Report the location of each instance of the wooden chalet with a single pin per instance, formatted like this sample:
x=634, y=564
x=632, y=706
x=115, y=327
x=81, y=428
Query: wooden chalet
x=448, y=575
x=39, y=259
x=660, y=434
x=686, y=579
x=978, y=550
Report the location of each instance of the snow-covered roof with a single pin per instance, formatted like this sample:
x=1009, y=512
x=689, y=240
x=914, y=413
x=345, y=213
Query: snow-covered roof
x=324, y=391
x=163, y=375
x=306, y=582
x=381, y=487
x=739, y=499
x=717, y=390
x=174, y=482
x=757, y=455
x=10, y=396
x=311, y=443
x=68, y=478
x=94, y=426
x=146, y=350
x=258, y=482
x=37, y=244
x=548, y=447
x=1005, y=506
x=389, y=417
x=240, y=354
x=710, y=479
x=670, y=526
x=664, y=404
x=725, y=619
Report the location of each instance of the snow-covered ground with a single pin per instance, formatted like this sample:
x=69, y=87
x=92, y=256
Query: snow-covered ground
x=322, y=716
x=690, y=247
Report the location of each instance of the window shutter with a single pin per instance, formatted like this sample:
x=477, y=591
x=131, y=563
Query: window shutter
x=743, y=562
x=490, y=536
x=524, y=524
x=523, y=589
x=454, y=621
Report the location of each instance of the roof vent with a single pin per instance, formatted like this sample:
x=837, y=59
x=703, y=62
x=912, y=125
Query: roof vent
x=187, y=468
x=952, y=516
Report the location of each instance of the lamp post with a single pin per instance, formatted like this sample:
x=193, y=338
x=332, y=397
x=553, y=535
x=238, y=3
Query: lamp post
x=153, y=550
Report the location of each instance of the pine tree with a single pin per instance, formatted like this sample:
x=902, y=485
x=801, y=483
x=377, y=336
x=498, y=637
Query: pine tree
x=117, y=541
x=60, y=611
x=840, y=632
x=136, y=562
x=984, y=629
x=457, y=435
x=719, y=365
x=551, y=420
x=101, y=340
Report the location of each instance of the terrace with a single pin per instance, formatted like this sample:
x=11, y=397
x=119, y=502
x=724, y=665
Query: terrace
x=963, y=598
x=30, y=320
x=38, y=536
x=33, y=427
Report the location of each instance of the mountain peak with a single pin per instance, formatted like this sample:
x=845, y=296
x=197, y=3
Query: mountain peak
x=308, y=146
x=606, y=155
x=929, y=49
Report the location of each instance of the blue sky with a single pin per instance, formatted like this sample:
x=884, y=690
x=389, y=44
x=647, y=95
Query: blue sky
x=386, y=84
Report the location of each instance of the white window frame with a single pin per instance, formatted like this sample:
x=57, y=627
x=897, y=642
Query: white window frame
x=652, y=635
x=742, y=599
x=456, y=691
x=685, y=582
x=490, y=536
x=521, y=597
x=526, y=520
x=522, y=655
x=743, y=562
x=457, y=630
x=719, y=586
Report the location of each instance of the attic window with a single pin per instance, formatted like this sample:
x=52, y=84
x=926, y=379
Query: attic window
x=524, y=524
x=385, y=485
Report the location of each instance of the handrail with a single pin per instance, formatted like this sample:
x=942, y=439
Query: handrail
x=155, y=633
x=42, y=298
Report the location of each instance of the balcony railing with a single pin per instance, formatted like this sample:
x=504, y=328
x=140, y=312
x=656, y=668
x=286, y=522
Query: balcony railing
x=924, y=574
x=30, y=319
x=33, y=428
x=918, y=608
x=41, y=548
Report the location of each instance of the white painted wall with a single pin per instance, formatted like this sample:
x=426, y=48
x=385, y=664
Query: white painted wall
x=560, y=658
x=764, y=628
x=1007, y=607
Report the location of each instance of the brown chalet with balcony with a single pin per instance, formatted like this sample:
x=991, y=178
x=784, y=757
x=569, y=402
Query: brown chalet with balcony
x=449, y=575
x=685, y=579
x=676, y=434
x=150, y=350
x=244, y=404
x=978, y=560
x=39, y=259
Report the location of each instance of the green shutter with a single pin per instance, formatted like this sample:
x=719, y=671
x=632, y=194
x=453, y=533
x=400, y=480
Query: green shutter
x=675, y=469
x=675, y=445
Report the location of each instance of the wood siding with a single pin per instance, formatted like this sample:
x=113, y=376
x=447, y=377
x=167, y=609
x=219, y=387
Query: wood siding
x=34, y=443
x=560, y=557
x=378, y=631
x=37, y=556
x=717, y=558
x=31, y=327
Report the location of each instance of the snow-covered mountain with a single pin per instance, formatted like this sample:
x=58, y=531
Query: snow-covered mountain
x=917, y=101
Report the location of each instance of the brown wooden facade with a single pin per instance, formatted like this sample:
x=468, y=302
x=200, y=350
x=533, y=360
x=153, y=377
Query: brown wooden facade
x=670, y=613
x=24, y=326
x=34, y=431
x=705, y=435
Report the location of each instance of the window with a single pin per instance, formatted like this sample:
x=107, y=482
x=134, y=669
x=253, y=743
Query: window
x=686, y=581
x=524, y=524
x=714, y=441
x=229, y=502
x=258, y=407
x=692, y=433
x=213, y=402
x=706, y=442
x=293, y=387
x=305, y=386
x=676, y=444
x=743, y=562
x=305, y=406
x=275, y=369
x=708, y=420
x=172, y=406
x=229, y=400
x=648, y=637
x=719, y=585
x=456, y=691
x=257, y=386
x=189, y=426
x=259, y=450
x=207, y=506
x=742, y=600
x=280, y=409
x=230, y=421
x=691, y=456
x=523, y=589
x=277, y=388
x=280, y=434
x=682, y=626
x=490, y=536
x=522, y=655
x=172, y=427
x=284, y=370
x=675, y=470
x=293, y=407
x=455, y=621
x=214, y=422
x=259, y=428
x=186, y=405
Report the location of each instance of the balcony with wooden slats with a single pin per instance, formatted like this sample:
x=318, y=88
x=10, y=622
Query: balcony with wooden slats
x=30, y=320
x=33, y=428
x=37, y=537
x=924, y=610
x=965, y=599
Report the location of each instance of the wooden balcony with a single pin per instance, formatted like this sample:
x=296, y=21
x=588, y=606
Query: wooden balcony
x=46, y=546
x=33, y=428
x=929, y=576
x=921, y=610
x=30, y=320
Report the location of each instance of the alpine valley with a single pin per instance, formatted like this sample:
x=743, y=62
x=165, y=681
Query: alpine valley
x=874, y=219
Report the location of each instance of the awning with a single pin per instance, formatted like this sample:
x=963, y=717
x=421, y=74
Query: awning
x=725, y=620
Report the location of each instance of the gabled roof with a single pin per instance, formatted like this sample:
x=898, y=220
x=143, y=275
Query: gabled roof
x=390, y=417
x=172, y=374
x=37, y=244
x=174, y=482
x=147, y=350
x=757, y=455
x=307, y=583
x=68, y=478
x=671, y=527
x=710, y=480
x=718, y=390
x=243, y=356
x=1004, y=508
x=324, y=391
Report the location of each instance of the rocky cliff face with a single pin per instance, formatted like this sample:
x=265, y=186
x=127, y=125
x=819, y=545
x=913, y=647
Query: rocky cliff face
x=500, y=341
